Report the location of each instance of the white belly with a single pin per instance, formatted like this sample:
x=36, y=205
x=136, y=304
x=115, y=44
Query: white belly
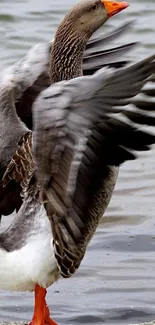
x=34, y=263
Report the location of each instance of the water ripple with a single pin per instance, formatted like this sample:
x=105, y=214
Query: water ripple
x=116, y=281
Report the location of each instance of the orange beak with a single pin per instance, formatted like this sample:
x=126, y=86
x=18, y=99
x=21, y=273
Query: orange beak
x=113, y=7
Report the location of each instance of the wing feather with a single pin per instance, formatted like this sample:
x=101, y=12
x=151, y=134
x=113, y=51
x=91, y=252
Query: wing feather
x=81, y=129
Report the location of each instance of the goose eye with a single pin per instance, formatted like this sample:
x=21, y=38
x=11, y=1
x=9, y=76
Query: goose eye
x=94, y=6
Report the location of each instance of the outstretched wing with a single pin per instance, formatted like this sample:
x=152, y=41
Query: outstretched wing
x=97, y=57
x=78, y=134
x=146, y=99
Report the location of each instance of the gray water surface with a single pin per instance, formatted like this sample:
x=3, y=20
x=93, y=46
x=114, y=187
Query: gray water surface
x=116, y=281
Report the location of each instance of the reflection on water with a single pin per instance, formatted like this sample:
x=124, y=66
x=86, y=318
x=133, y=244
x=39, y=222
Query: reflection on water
x=116, y=281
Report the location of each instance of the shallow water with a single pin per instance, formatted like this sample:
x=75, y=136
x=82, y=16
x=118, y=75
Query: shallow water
x=116, y=281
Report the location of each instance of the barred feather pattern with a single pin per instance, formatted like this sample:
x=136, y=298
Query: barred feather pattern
x=68, y=251
x=21, y=166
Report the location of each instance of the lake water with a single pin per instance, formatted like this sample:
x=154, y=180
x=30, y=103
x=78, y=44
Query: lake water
x=116, y=281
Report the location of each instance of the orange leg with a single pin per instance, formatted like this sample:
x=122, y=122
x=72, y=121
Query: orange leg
x=48, y=320
x=41, y=314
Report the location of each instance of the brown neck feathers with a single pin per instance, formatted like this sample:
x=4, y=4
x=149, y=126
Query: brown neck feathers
x=67, y=54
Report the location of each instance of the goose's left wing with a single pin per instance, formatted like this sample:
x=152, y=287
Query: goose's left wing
x=77, y=132
x=145, y=101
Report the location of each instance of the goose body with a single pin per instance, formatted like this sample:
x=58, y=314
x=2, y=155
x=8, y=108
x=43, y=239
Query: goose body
x=27, y=253
x=27, y=257
x=61, y=176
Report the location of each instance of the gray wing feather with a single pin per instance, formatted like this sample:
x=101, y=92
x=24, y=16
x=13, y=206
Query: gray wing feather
x=146, y=99
x=64, y=118
x=11, y=131
x=100, y=41
x=27, y=70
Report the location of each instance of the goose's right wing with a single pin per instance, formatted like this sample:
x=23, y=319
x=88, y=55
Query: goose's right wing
x=97, y=57
x=96, y=44
x=15, y=137
x=20, y=84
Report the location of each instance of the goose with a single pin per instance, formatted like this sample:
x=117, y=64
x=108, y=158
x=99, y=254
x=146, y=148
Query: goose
x=94, y=58
x=66, y=169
